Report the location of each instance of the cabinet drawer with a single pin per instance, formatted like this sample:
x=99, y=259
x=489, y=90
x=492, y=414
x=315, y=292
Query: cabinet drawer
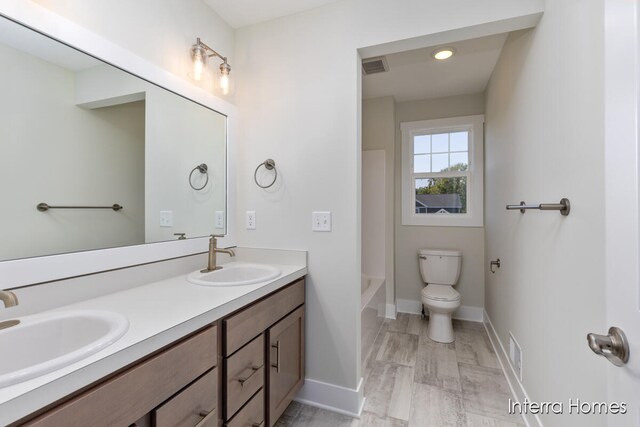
x=250, y=322
x=191, y=405
x=252, y=415
x=245, y=374
x=129, y=395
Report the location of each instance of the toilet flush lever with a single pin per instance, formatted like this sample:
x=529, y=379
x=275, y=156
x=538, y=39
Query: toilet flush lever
x=613, y=346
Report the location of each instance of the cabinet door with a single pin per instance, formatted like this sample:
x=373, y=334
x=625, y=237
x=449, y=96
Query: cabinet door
x=286, y=361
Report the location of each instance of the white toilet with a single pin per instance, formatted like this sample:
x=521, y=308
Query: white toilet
x=440, y=270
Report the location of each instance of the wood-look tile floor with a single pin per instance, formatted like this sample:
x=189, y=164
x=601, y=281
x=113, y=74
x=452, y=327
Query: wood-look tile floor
x=411, y=381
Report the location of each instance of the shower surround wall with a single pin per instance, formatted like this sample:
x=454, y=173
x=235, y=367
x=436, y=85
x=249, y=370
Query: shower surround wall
x=378, y=135
x=544, y=141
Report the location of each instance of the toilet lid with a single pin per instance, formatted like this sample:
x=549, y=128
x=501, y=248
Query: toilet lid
x=440, y=293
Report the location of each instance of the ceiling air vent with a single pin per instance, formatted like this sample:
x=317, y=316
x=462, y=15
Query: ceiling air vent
x=374, y=65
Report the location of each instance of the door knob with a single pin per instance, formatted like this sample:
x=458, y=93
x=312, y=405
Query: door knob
x=613, y=346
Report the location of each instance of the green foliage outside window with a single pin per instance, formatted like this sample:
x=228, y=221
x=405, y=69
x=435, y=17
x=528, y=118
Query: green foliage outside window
x=457, y=185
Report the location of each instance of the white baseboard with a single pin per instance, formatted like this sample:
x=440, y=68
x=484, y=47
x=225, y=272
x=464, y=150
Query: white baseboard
x=465, y=312
x=517, y=389
x=409, y=306
x=390, y=312
x=468, y=312
x=332, y=397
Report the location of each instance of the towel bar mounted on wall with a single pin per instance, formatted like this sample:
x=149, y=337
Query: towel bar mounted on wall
x=268, y=164
x=564, y=207
x=43, y=207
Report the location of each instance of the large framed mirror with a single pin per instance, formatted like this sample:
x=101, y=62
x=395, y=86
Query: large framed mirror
x=94, y=157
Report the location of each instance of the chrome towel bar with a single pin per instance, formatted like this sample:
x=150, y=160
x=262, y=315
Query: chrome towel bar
x=564, y=207
x=43, y=207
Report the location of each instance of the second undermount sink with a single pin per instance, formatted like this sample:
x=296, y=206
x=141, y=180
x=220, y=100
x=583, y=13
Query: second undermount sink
x=42, y=343
x=234, y=274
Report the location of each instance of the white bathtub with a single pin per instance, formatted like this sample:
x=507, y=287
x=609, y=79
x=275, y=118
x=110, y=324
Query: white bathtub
x=373, y=307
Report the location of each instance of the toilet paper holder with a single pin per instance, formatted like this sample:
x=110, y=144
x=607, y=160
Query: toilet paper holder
x=492, y=264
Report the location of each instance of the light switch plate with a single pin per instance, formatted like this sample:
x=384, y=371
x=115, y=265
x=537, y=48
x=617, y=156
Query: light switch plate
x=219, y=219
x=166, y=218
x=251, y=220
x=321, y=221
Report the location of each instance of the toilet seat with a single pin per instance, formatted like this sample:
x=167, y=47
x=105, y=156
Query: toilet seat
x=440, y=293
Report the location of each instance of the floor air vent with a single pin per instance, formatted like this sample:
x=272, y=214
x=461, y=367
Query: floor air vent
x=515, y=356
x=374, y=65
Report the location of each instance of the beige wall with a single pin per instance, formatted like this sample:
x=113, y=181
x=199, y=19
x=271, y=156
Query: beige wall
x=300, y=104
x=180, y=134
x=470, y=240
x=68, y=155
x=378, y=133
x=544, y=141
x=161, y=31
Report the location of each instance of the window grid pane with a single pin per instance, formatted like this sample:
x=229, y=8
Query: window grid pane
x=421, y=163
x=441, y=152
x=422, y=144
x=441, y=196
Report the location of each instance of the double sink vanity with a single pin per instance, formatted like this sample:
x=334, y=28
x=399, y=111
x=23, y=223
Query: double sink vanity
x=220, y=348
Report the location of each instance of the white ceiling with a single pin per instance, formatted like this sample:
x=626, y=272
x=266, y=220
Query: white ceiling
x=415, y=75
x=240, y=13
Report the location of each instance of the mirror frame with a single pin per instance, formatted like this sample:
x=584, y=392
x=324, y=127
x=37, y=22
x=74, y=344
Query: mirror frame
x=30, y=271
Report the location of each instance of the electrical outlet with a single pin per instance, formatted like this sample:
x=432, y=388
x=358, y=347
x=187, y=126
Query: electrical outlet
x=321, y=221
x=219, y=219
x=251, y=220
x=166, y=218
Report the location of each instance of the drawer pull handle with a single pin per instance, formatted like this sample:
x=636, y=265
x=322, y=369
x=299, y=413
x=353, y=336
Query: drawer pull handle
x=254, y=369
x=277, y=364
x=207, y=416
x=258, y=425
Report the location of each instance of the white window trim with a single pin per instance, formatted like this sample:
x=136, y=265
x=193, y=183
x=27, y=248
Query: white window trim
x=475, y=184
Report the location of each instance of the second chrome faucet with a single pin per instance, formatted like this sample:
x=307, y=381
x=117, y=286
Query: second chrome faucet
x=213, y=250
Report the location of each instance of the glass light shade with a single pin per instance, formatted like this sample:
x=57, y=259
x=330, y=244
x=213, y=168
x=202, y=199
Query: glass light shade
x=199, y=57
x=224, y=82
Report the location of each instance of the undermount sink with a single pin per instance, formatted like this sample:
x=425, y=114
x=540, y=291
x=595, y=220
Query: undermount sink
x=42, y=343
x=234, y=274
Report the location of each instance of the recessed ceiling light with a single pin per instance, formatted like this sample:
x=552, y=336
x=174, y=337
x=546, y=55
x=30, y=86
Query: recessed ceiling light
x=443, y=53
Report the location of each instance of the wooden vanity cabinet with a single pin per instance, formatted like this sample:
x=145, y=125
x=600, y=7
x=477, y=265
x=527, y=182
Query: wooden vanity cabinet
x=263, y=345
x=166, y=381
x=244, y=375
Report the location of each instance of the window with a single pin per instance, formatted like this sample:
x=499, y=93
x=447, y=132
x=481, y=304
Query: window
x=442, y=180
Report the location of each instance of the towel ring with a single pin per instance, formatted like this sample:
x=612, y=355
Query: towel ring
x=204, y=169
x=269, y=164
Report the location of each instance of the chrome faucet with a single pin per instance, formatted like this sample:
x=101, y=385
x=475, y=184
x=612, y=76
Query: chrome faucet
x=213, y=250
x=8, y=298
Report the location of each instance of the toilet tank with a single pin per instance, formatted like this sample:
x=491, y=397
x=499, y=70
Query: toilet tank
x=440, y=266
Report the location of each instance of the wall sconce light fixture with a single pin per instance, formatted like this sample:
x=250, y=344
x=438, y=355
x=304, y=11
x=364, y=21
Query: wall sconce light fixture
x=200, y=53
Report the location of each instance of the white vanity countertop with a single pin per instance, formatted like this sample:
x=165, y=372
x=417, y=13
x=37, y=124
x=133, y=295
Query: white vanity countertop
x=158, y=313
